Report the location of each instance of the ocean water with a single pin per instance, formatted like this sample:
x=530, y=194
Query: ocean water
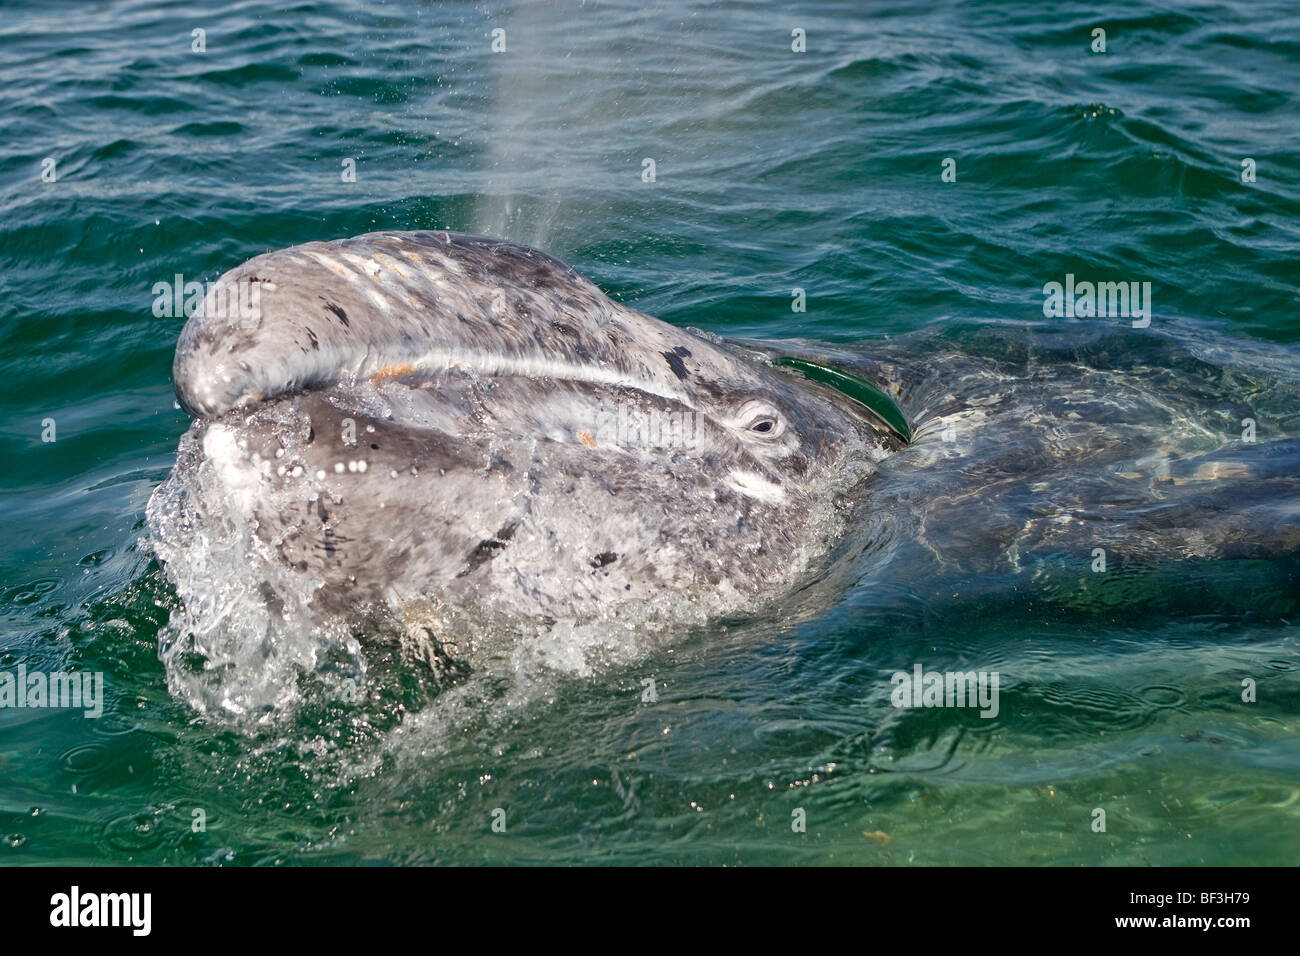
x=127, y=157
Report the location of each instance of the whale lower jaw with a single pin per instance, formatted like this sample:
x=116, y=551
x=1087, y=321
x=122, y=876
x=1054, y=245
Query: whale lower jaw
x=355, y=503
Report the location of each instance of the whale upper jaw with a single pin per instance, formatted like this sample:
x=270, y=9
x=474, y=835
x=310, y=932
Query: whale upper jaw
x=385, y=304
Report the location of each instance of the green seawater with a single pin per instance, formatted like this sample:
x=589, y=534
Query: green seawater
x=774, y=170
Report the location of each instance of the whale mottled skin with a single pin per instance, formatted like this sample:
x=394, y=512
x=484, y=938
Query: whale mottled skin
x=435, y=420
x=461, y=444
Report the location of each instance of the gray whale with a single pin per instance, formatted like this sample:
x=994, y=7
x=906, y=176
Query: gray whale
x=463, y=435
x=462, y=444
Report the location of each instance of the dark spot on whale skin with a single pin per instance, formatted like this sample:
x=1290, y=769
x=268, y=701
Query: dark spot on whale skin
x=507, y=530
x=483, y=552
x=338, y=311
x=206, y=338
x=315, y=342
x=711, y=389
x=563, y=329
x=332, y=544
x=604, y=558
x=683, y=351
x=676, y=364
x=273, y=601
x=375, y=446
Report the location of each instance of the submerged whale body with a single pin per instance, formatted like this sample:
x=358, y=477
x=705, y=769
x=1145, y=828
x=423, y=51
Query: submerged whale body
x=442, y=428
x=462, y=442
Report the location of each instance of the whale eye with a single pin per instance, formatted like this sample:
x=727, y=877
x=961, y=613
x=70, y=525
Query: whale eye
x=760, y=419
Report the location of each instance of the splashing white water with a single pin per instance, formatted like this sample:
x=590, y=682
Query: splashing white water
x=246, y=631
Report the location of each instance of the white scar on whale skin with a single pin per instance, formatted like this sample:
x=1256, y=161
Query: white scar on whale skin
x=756, y=486
x=378, y=300
x=370, y=268
x=332, y=264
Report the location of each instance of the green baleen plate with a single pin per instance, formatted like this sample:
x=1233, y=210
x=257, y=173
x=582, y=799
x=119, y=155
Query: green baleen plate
x=860, y=390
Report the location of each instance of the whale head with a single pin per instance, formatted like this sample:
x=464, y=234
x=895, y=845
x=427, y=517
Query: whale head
x=435, y=420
